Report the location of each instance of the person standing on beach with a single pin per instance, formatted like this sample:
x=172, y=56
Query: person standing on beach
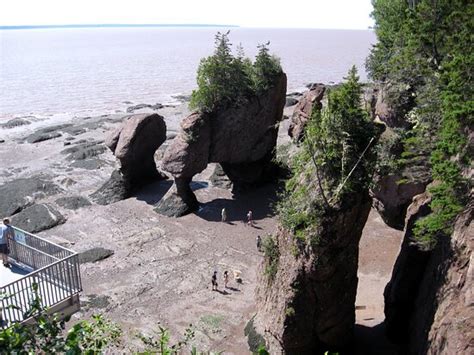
x=224, y=215
x=6, y=233
x=214, y=281
x=250, y=218
x=226, y=278
x=259, y=243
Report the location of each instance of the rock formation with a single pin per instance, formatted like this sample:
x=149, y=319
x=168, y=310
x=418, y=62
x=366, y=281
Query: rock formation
x=392, y=195
x=303, y=109
x=242, y=139
x=313, y=307
x=429, y=302
x=407, y=274
x=134, y=143
x=388, y=113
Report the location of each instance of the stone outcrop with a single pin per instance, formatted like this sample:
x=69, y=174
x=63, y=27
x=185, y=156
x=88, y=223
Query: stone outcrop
x=94, y=254
x=388, y=113
x=134, y=143
x=429, y=302
x=18, y=194
x=37, y=218
x=303, y=109
x=73, y=202
x=312, y=308
x=392, y=195
x=242, y=139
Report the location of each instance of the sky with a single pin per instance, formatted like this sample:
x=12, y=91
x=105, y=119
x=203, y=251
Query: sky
x=337, y=14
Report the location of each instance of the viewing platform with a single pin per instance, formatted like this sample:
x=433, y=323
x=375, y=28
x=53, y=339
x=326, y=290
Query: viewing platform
x=36, y=263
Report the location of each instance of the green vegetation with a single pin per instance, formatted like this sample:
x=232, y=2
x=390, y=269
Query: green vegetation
x=424, y=56
x=47, y=335
x=212, y=321
x=224, y=79
x=290, y=312
x=272, y=256
x=255, y=340
x=335, y=159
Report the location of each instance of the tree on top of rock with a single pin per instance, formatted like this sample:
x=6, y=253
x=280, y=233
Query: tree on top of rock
x=265, y=69
x=224, y=80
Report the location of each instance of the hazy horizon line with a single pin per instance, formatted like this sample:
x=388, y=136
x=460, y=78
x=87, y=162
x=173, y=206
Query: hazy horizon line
x=139, y=25
x=95, y=25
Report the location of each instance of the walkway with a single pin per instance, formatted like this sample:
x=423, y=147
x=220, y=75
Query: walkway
x=8, y=275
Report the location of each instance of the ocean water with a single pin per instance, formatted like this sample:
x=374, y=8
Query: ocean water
x=84, y=72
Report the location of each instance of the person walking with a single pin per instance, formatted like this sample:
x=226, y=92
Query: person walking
x=214, y=281
x=224, y=215
x=6, y=234
x=226, y=278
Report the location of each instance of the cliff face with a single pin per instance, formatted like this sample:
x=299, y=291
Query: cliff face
x=452, y=330
x=430, y=299
x=309, y=305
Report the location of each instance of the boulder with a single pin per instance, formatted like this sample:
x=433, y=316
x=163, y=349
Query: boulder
x=37, y=218
x=47, y=133
x=134, y=143
x=94, y=254
x=73, y=202
x=84, y=150
x=242, y=139
x=18, y=194
x=303, y=109
x=89, y=164
x=308, y=305
x=392, y=195
x=132, y=109
x=15, y=122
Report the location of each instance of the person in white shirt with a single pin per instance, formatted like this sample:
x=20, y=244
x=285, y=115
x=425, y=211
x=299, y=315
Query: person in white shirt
x=6, y=233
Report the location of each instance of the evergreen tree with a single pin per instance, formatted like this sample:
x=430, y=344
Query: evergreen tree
x=266, y=68
x=224, y=80
x=425, y=48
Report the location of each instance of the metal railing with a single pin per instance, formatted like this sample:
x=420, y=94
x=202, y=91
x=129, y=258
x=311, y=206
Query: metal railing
x=55, y=275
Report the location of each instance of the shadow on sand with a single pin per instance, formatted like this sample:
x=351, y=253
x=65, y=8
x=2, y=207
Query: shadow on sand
x=372, y=341
x=154, y=192
x=260, y=201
